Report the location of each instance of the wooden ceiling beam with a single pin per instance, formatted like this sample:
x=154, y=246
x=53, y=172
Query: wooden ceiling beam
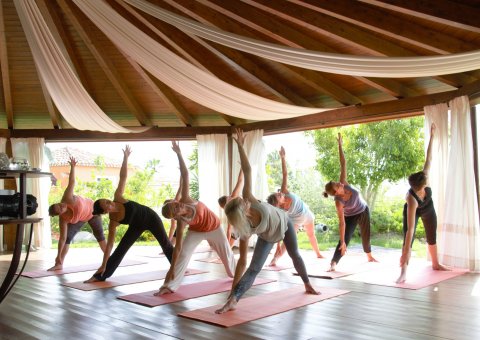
x=447, y=12
x=386, y=23
x=83, y=27
x=345, y=116
x=7, y=90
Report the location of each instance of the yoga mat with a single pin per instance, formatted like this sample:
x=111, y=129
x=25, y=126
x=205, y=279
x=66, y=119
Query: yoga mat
x=75, y=269
x=201, y=249
x=260, y=306
x=418, y=276
x=277, y=267
x=347, y=266
x=186, y=292
x=115, y=281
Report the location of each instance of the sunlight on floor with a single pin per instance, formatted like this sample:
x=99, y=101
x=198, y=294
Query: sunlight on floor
x=476, y=289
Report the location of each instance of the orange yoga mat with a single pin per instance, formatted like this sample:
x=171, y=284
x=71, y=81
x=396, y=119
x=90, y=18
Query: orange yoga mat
x=186, y=292
x=75, y=269
x=115, y=281
x=261, y=306
x=419, y=275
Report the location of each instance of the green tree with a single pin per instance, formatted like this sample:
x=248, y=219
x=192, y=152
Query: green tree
x=194, y=188
x=375, y=152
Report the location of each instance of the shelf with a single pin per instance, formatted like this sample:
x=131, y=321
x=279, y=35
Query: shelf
x=7, y=173
x=19, y=221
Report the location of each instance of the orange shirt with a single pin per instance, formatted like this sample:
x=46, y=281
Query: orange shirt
x=204, y=220
x=81, y=210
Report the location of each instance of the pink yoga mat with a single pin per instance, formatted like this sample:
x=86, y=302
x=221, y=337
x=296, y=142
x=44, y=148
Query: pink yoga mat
x=419, y=275
x=347, y=266
x=260, y=306
x=115, y=281
x=186, y=292
x=76, y=269
x=277, y=268
x=200, y=249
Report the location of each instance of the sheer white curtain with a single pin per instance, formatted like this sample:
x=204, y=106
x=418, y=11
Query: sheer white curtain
x=182, y=76
x=366, y=66
x=3, y=144
x=257, y=156
x=213, y=170
x=459, y=245
x=32, y=149
x=438, y=114
x=61, y=81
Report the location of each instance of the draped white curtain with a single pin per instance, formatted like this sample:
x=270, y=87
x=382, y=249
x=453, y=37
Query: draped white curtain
x=182, y=76
x=61, y=81
x=257, y=156
x=438, y=114
x=213, y=170
x=3, y=144
x=459, y=245
x=374, y=66
x=32, y=149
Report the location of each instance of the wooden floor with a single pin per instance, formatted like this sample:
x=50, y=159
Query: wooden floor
x=43, y=309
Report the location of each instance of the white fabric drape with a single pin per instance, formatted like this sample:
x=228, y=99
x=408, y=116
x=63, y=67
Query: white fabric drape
x=181, y=75
x=438, y=114
x=32, y=149
x=460, y=242
x=257, y=156
x=213, y=170
x=66, y=90
x=386, y=67
x=3, y=144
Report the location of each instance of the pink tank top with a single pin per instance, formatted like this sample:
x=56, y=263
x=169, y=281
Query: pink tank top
x=204, y=220
x=81, y=210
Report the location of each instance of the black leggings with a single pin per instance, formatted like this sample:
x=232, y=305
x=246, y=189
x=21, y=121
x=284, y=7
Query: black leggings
x=95, y=223
x=154, y=224
x=363, y=220
x=429, y=219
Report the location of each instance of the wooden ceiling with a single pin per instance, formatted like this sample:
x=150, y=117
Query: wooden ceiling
x=132, y=97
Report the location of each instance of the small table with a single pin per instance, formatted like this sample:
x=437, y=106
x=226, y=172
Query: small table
x=22, y=219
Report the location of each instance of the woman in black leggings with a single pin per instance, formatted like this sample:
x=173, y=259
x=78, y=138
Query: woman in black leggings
x=138, y=217
x=420, y=205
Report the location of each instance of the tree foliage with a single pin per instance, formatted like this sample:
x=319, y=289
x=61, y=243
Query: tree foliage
x=375, y=152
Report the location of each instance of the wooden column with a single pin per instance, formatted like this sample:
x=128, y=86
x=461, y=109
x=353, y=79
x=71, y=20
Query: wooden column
x=10, y=230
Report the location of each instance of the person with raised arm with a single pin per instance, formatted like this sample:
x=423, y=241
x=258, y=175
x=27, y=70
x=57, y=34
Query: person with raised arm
x=297, y=210
x=250, y=216
x=224, y=200
x=139, y=219
x=352, y=210
x=419, y=204
x=73, y=212
x=172, y=232
x=203, y=225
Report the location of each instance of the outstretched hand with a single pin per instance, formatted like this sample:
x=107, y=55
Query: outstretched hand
x=176, y=147
x=282, y=152
x=72, y=161
x=339, y=139
x=240, y=139
x=127, y=151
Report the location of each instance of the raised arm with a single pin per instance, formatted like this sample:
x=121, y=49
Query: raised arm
x=343, y=162
x=184, y=176
x=246, y=168
x=123, y=175
x=238, y=186
x=178, y=195
x=428, y=158
x=283, y=188
x=68, y=193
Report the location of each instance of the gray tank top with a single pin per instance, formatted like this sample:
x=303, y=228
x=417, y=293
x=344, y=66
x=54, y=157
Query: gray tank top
x=354, y=205
x=273, y=223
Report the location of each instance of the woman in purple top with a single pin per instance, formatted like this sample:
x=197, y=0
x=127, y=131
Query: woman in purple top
x=351, y=210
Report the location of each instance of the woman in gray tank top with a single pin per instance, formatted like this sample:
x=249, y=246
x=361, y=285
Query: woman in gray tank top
x=351, y=210
x=249, y=216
